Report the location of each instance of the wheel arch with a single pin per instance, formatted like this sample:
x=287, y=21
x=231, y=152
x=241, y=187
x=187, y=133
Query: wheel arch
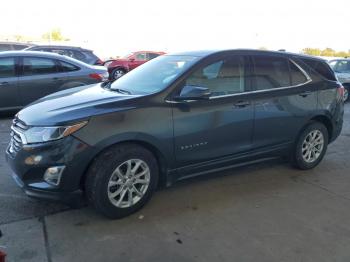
x=162, y=161
x=326, y=121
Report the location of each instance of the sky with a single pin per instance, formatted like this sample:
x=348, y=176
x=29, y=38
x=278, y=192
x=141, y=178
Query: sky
x=117, y=27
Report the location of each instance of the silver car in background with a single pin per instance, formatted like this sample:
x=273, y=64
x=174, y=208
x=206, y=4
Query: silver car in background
x=26, y=76
x=341, y=67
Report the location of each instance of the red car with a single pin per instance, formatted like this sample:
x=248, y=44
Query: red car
x=119, y=67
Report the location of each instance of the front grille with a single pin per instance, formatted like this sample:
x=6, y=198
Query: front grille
x=18, y=124
x=15, y=143
x=17, y=128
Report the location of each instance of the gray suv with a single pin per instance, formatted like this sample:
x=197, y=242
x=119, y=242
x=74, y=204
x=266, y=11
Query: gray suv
x=81, y=54
x=341, y=67
x=27, y=76
x=12, y=46
x=174, y=117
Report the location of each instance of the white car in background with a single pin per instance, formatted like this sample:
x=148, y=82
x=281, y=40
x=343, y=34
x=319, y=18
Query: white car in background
x=341, y=67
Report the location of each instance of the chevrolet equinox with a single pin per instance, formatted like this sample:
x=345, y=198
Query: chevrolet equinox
x=174, y=117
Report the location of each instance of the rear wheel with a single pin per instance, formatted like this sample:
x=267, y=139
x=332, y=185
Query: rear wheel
x=122, y=180
x=311, y=146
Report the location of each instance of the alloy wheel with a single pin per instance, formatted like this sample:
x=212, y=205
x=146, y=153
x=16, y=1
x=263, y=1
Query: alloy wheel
x=128, y=183
x=118, y=73
x=312, y=146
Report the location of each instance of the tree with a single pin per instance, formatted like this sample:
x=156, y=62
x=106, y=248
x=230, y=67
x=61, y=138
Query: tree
x=325, y=52
x=312, y=51
x=54, y=35
x=328, y=52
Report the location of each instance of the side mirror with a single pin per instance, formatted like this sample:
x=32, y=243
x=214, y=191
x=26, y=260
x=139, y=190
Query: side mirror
x=193, y=93
x=131, y=59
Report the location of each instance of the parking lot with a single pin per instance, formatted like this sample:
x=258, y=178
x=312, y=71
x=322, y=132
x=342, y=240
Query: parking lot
x=267, y=212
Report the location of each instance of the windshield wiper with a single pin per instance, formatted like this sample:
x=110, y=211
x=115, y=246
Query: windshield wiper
x=122, y=91
x=108, y=85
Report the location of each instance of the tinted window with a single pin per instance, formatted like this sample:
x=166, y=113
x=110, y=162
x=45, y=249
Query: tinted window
x=67, y=67
x=5, y=47
x=271, y=72
x=141, y=56
x=321, y=68
x=7, y=67
x=19, y=47
x=63, y=52
x=70, y=53
x=222, y=77
x=152, y=55
x=38, y=66
x=78, y=55
x=297, y=76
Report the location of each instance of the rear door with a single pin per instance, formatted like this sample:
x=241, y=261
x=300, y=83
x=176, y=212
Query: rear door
x=9, y=95
x=283, y=100
x=221, y=126
x=39, y=77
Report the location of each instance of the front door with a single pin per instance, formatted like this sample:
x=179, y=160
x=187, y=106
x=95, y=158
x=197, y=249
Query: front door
x=221, y=126
x=9, y=96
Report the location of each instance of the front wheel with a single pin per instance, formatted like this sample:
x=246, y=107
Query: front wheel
x=122, y=180
x=311, y=146
x=117, y=73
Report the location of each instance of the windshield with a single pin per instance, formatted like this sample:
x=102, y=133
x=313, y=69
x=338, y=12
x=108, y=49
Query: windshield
x=154, y=75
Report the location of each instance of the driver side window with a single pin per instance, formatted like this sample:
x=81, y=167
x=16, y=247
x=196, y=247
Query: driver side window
x=224, y=77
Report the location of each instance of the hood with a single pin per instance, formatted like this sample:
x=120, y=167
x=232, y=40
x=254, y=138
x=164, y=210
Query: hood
x=74, y=104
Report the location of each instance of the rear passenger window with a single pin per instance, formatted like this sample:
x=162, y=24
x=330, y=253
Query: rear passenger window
x=271, y=72
x=297, y=76
x=223, y=77
x=67, y=67
x=38, y=66
x=7, y=67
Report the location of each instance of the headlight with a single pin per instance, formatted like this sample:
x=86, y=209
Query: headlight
x=44, y=134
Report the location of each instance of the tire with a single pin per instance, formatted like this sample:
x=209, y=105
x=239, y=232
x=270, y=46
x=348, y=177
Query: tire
x=104, y=180
x=302, y=158
x=117, y=73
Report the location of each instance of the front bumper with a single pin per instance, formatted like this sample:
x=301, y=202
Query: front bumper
x=74, y=198
x=30, y=162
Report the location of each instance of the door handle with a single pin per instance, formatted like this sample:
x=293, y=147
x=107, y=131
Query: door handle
x=4, y=83
x=240, y=104
x=305, y=94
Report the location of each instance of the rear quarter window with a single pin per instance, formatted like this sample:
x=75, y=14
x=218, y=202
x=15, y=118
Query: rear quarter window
x=67, y=67
x=321, y=68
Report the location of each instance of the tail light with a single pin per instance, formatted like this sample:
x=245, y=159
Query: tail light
x=99, y=76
